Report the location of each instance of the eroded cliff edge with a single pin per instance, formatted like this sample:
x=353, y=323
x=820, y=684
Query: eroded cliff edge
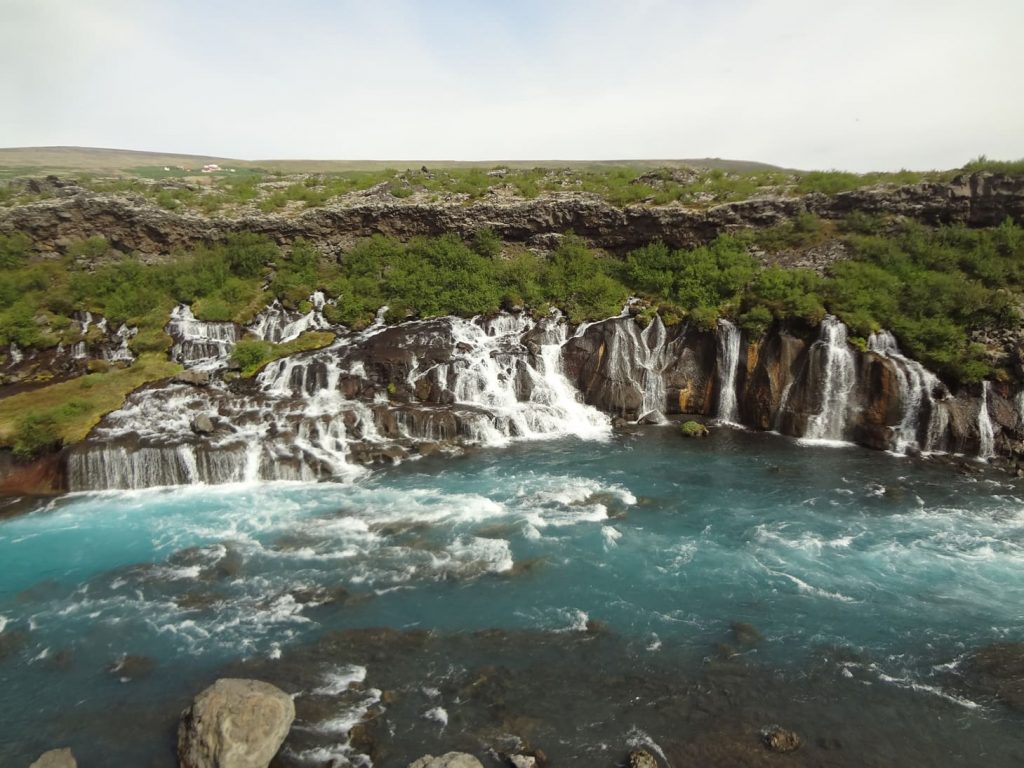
x=134, y=224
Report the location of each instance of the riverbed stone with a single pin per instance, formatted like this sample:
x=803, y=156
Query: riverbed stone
x=234, y=724
x=56, y=758
x=195, y=378
x=778, y=739
x=202, y=424
x=641, y=758
x=449, y=760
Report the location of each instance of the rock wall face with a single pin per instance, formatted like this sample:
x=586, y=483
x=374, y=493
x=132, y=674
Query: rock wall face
x=134, y=224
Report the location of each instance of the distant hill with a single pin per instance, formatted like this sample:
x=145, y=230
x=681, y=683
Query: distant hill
x=36, y=160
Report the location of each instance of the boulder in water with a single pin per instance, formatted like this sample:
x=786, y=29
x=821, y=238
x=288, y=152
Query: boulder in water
x=641, y=758
x=202, y=424
x=195, y=378
x=694, y=429
x=234, y=724
x=449, y=760
x=778, y=739
x=56, y=758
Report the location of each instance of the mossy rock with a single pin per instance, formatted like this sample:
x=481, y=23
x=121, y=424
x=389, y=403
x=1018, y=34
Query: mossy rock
x=693, y=429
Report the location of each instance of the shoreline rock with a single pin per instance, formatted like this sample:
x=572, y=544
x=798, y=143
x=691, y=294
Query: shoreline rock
x=235, y=724
x=56, y=758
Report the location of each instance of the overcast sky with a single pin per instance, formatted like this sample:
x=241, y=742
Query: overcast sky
x=857, y=84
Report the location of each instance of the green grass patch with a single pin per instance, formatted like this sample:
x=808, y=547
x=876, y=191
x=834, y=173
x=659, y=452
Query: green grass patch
x=64, y=413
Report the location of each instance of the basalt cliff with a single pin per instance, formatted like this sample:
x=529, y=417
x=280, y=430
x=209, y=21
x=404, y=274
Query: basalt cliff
x=133, y=224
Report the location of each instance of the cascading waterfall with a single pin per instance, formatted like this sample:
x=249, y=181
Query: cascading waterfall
x=728, y=362
x=278, y=325
x=489, y=374
x=297, y=423
x=838, y=376
x=199, y=344
x=652, y=361
x=917, y=387
x=986, y=432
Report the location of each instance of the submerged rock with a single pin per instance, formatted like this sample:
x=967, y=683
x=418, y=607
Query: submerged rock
x=745, y=634
x=130, y=667
x=449, y=760
x=56, y=758
x=998, y=670
x=778, y=739
x=235, y=724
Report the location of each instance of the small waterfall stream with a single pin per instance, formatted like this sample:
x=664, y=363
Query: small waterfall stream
x=917, y=397
x=200, y=344
x=728, y=362
x=279, y=325
x=986, y=432
x=833, y=353
x=652, y=361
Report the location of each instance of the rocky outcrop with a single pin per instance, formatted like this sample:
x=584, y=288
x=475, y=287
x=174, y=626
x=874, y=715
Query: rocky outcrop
x=56, y=758
x=777, y=739
x=449, y=760
x=135, y=224
x=234, y=724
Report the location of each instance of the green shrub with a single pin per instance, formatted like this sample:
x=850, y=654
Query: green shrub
x=35, y=434
x=93, y=248
x=14, y=250
x=251, y=354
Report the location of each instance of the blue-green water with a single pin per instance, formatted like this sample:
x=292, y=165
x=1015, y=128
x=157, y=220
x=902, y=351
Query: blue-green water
x=868, y=578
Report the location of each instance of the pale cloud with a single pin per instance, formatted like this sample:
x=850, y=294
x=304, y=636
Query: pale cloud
x=802, y=83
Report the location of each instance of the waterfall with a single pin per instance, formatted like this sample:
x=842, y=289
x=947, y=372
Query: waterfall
x=917, y=398
x=490, y=366
x=278, y=325
x=986, y=432
x=728, y=362
x=311, y=416
x=839, y=373
x=199, y=344
x=652, y=361
x=101, y=344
